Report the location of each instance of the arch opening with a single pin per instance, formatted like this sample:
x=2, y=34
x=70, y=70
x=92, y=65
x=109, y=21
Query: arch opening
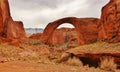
x=65, y=25
x=65, y=35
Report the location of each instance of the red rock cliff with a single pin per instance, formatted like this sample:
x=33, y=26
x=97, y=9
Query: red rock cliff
x=8, y=27
x=110, y=22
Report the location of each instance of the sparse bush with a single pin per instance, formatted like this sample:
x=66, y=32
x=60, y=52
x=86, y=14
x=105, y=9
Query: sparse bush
x=107, y=63
x=74, y=61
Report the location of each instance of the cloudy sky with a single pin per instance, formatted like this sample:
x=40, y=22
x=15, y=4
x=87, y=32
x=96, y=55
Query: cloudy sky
x=38, y=13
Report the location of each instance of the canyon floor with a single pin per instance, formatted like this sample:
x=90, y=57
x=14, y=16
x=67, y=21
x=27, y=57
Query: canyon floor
x=34, y=56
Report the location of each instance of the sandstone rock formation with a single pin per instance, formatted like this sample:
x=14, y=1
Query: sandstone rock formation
x=91, y=29
x=110, y=22
x=64, y=35
x=86, y=29
x=35, y=36
x=1, y=22
x=8, y=27
x=15, y=29
x=91, y=57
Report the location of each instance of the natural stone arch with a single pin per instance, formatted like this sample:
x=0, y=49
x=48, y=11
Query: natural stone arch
x=51, y=27
x=86, y=28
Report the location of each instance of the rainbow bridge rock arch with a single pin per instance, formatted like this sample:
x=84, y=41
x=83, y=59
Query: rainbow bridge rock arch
x=80, y=24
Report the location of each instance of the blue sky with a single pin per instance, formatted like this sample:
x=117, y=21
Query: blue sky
x=38, y=13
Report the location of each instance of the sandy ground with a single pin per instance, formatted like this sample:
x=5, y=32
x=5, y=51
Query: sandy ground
x=21, y=66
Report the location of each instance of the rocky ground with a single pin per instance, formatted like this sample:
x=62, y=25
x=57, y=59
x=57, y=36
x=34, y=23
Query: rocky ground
x=34, y=56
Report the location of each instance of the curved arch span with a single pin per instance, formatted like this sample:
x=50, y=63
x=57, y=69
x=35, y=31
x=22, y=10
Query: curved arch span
x=80, y=25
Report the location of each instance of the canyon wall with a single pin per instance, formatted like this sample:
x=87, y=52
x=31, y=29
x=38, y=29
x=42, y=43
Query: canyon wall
x=8, y=27
x=109, y=28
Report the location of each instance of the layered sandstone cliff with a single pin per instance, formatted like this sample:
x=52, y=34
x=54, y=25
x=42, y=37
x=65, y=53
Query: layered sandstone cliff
x=8, y=27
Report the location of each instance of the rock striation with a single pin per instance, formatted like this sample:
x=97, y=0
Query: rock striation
x=8, y=27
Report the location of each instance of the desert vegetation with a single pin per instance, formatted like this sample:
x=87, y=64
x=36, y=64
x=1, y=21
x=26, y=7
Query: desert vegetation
x=40, y=53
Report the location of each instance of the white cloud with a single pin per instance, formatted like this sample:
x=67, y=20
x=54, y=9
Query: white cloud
x=36, y=14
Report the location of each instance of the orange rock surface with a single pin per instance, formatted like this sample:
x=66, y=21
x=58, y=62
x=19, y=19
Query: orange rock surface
x=8, y=27
x=36, y=36
x=15, y=29
x=64, y=35
x=110, y=22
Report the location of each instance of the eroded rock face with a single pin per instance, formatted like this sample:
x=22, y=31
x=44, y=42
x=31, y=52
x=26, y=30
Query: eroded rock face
x=86, y=29
x=15, y=29
x=1, y=22
x=8, y=27
x=5, y=12
x=110, y=22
